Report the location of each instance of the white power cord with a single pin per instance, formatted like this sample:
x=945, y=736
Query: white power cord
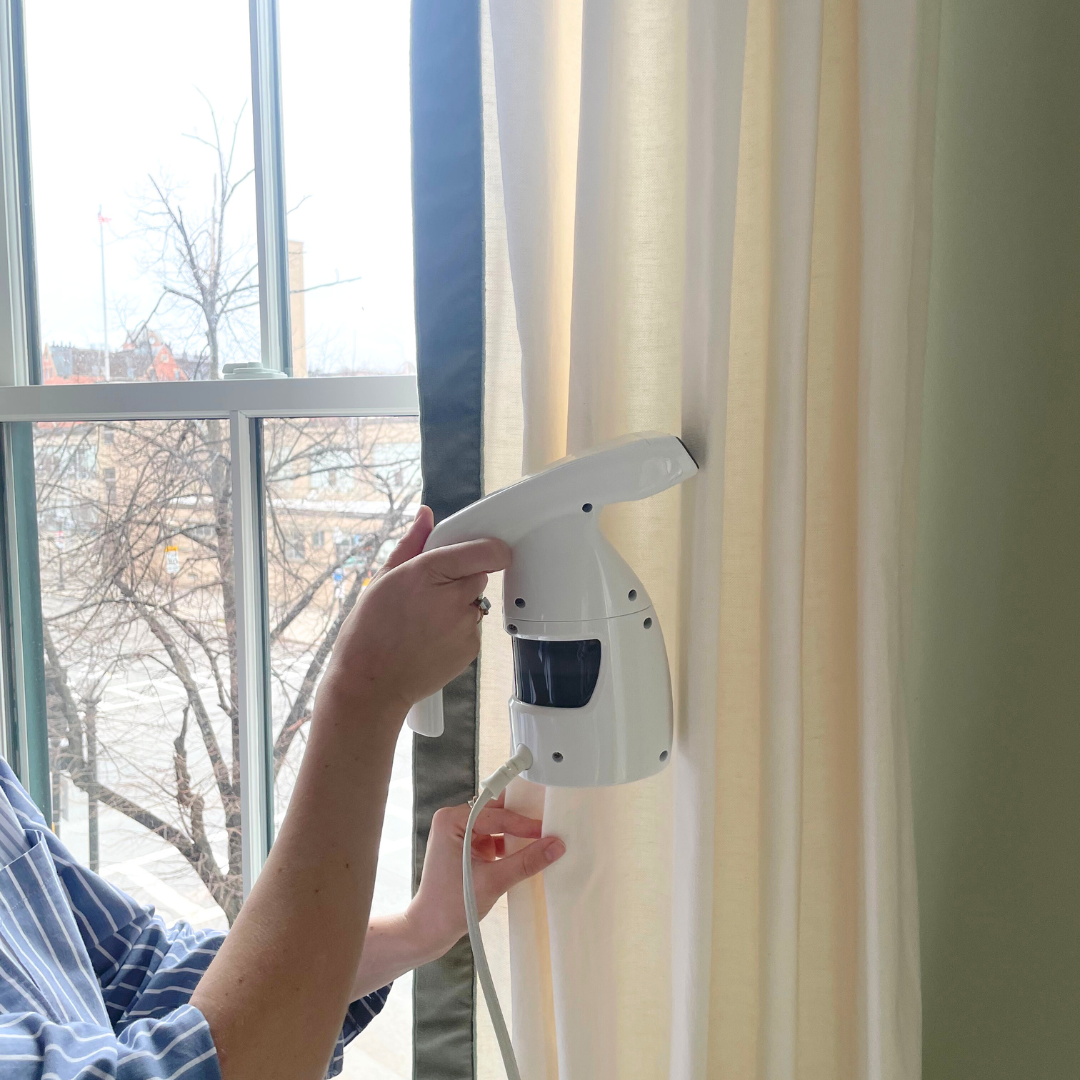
x=490, y=789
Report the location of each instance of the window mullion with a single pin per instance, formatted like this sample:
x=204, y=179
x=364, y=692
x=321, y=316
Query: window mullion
x=369, y=395
x=249, y=568
x=19, y=353
x=27, y=739
x=270, y=187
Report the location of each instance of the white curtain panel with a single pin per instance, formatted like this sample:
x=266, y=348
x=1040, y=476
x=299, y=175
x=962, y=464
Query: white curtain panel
x=715, y=219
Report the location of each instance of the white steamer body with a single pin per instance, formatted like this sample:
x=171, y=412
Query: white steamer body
x=594, y=745
x=592, y=698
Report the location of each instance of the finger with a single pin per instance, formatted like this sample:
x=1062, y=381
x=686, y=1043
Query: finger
x=451, y=818
x=471, y=587
x=485, y=848
x=463, y=560
x=412, y=543
x=523, y=864
x=499, y=820
x=500, y=846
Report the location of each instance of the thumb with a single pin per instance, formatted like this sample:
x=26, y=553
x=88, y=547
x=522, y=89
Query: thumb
x=523, y=864
x=412, y=543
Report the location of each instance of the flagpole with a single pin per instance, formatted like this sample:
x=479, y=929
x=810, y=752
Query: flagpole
x=104, y=302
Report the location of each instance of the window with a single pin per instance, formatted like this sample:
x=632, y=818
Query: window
x=148, y=215
x=294, y=547
x=310, y=592
x=181, y=540
x=136, y=655
x=331, y=470
x=309, y=599
x=144, y=199
x=349, y=197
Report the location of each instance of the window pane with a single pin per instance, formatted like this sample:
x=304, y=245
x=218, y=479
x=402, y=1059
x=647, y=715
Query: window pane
x=135, y=545
x=345, y=85
x=339, y=492
x=146, y=250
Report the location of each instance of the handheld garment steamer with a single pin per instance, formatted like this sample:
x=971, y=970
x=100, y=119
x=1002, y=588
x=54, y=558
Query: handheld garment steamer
x=592, y=689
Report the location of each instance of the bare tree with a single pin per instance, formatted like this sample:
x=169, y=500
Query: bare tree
x=137, y=557
x=149, y=598
x=204, y=258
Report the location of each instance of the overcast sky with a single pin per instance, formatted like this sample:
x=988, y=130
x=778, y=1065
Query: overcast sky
x=115, y=86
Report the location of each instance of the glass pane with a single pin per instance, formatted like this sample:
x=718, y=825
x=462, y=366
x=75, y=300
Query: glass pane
x=339, y=492
x=345, y=85
x=555, y=674
x=135, y=545
x=144, y=200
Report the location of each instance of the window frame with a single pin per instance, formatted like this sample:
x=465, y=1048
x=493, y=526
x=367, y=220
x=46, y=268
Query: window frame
x=243, y=402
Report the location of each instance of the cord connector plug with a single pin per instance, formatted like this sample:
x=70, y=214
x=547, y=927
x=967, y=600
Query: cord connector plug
x=497, y=782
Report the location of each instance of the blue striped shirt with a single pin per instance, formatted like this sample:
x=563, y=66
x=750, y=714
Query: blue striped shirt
x=94, y=986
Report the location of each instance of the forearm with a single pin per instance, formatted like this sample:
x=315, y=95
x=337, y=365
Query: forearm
x=392, y=947
x=276, y=994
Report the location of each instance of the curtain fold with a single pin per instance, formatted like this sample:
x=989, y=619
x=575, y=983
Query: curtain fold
x=711, y=217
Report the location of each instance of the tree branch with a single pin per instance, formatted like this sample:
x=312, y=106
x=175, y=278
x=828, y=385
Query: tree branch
x=300, y=712
x=73, y=762
x=183, y=673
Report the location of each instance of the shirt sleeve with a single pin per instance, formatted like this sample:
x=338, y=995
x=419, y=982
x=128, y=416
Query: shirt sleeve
x=146, y=972
x=33, y=1048
x=156, y=1033
x=163, y=967
x=360, y=1014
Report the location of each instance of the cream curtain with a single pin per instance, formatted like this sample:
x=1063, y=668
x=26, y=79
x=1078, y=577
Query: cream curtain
x=708, y=217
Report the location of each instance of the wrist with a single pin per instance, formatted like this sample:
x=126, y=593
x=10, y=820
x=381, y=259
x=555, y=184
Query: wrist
x=357, y=699
x=427, y=939
x=390, y=950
